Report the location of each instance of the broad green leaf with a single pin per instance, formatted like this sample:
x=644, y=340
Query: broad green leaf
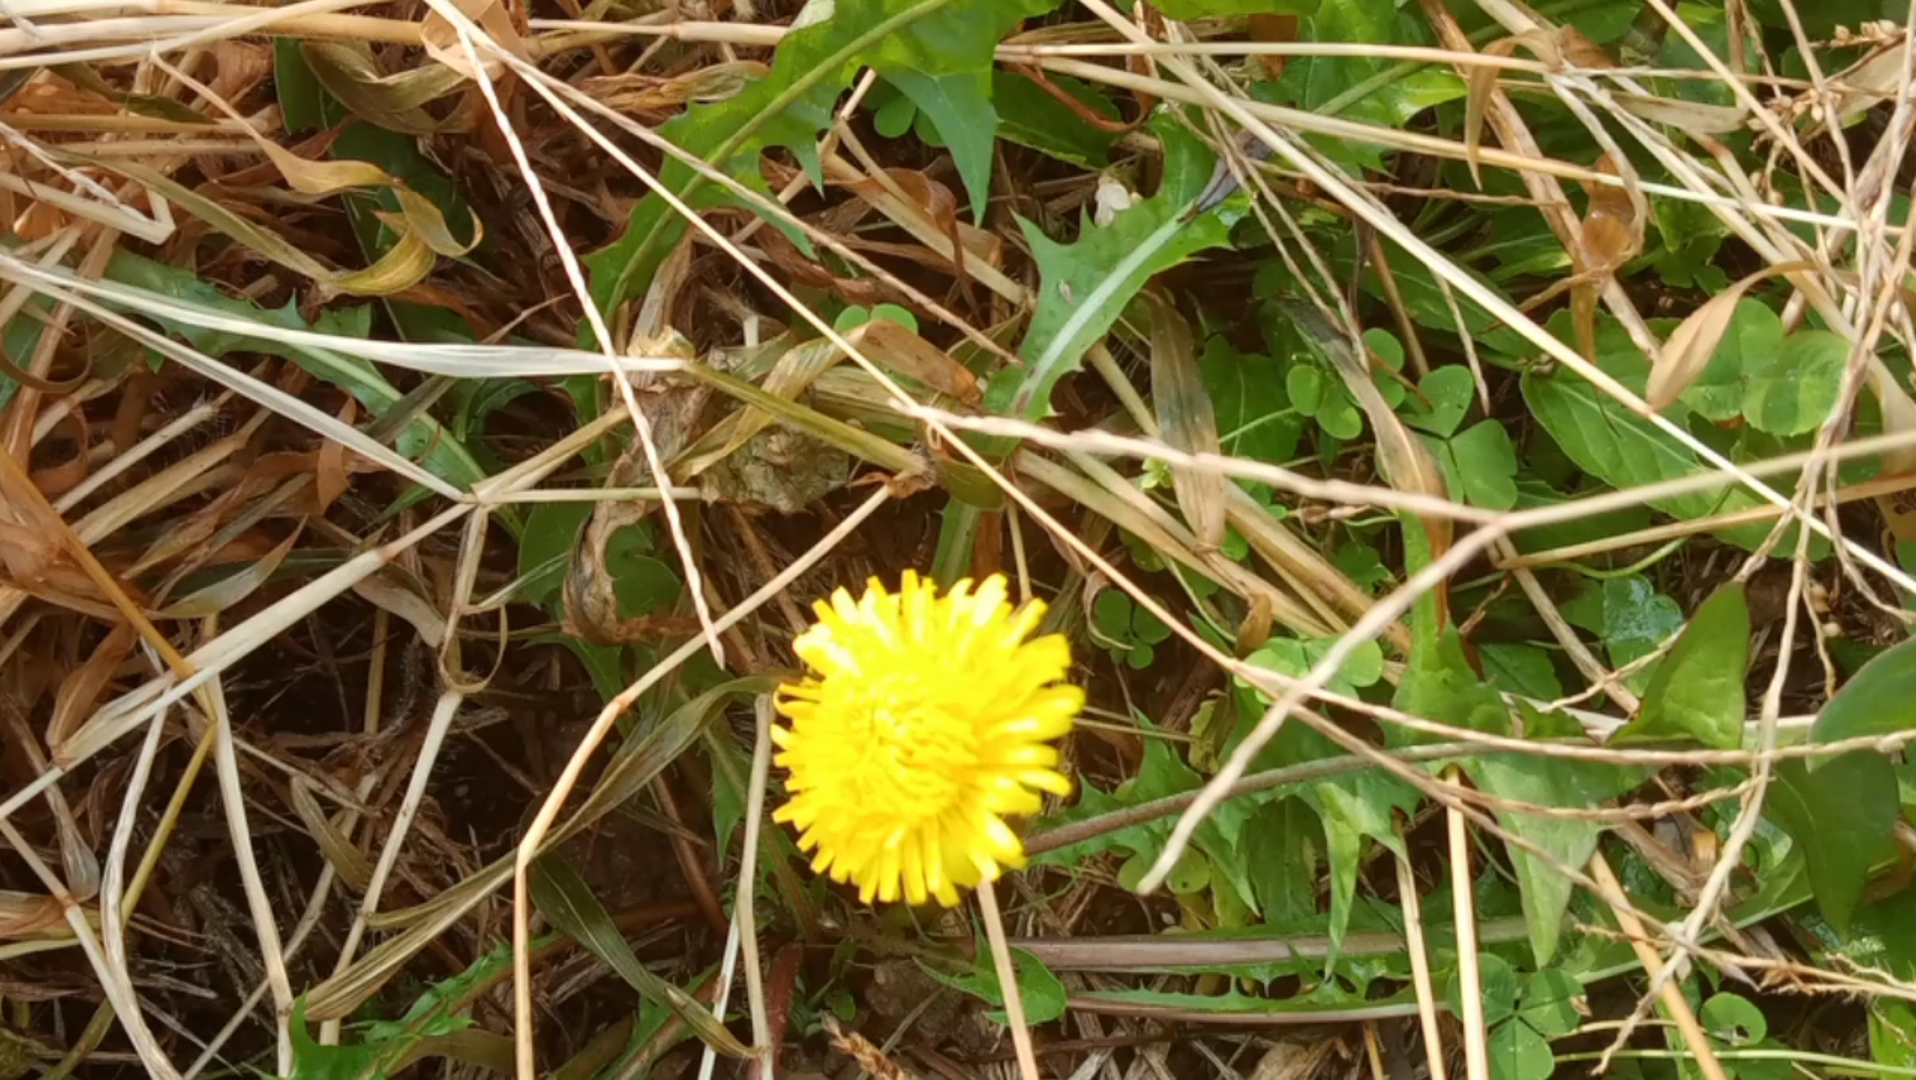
x=1439, y=685
x=1621, y=449
x=1352, y=808
x=1755, y=336
x=1892, y=1032
x=1363, y=88
x=1549, y=1002
x=1520, y=668
x=1880, y=699
x=1442, y=399
x=1480, y=464
x=1030, y=117
x=1496, y=981
x=304, y=105
x=1560, y=782
x=313, y=1060
x=1631, y=618
x=1697, y=690
x=831, y=40
x=1254, y=418
x=1733, y=1020
x=1041, y=992
x=1304, y=385
x=1296, y=657
x=565, y=899
x=1085, y=285
x=1339, y=415
x=1842, y=816
x=1281, y=846
x=1793, y=389
x=552, y=529
x=960, y=105
x=1517, y=1052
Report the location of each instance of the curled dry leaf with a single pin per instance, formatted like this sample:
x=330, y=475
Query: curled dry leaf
x=1694, y=341
x=348, y=72
x=894, y=346
x=1875, y=78
x=912, y=201
x=81, y=688
x=231, y=590
x=442, y=39
x=28, y=915
x=344, y=856
x=239, y=66
x=1186, y=419
x=391, y=590
x=1483, y=83
x=1611, y=236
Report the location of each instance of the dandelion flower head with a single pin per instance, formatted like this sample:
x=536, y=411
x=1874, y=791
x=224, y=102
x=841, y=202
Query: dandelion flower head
x=922, y=723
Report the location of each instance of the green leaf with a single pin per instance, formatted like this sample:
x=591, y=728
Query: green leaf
x=1517, y=1052
x=1449, y=391
x=1111, y=615
x=1549, y=1002
x=1352, y=808
x=1755, y=335
x=1631, y=617
x=1793, y=389
x=1481, y=465
x=565, y=899
x=315, y=1061
x=1697, y=690
x=1439, y=685
x=1733, y=1020
x=1304, y=385
x=1296, y=657
x=304, y=105
x=830, y=42
x=1254, y=418
x=1842, y=816
x=1521, y=668
x=1030, y=117
x=1041, y=992
x=1498, y=984
x=641, y=583
x=552, y=529
x=1623, y=450
x=1085, y=285
x=445, y=456
x=1363, y=88
x=960, y=105
x=1281, y=843
x=1338, y=416
x=1880, y=699
x=1560, y=782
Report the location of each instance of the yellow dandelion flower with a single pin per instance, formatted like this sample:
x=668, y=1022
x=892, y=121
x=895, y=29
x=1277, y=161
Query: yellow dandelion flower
x=922, y=725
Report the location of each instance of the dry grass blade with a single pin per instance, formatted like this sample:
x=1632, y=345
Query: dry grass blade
x=1695, y=340
x=567, y=901
x=1483, y=83
x=1186, y=418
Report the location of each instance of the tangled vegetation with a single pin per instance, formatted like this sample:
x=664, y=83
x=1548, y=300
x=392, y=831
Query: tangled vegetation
x=1463, y=450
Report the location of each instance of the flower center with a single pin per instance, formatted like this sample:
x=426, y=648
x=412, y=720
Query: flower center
x=919, y=753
